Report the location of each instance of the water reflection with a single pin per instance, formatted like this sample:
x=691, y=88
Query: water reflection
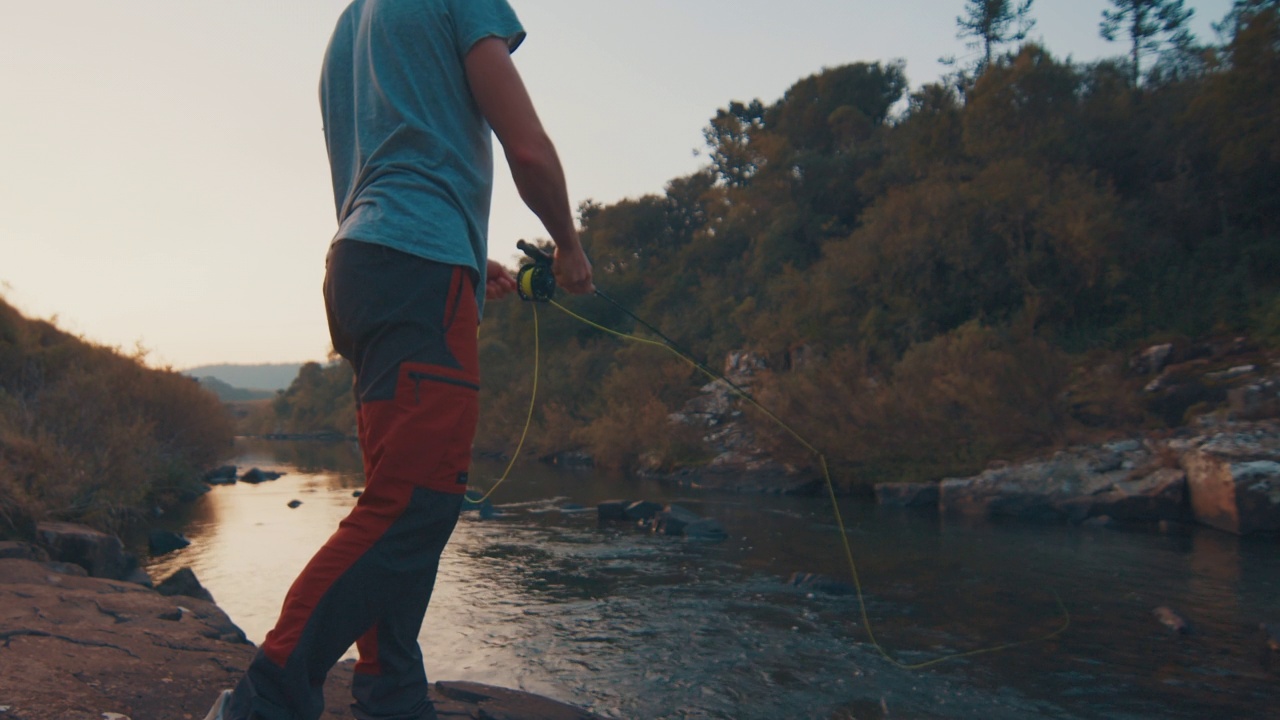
x=639, y=626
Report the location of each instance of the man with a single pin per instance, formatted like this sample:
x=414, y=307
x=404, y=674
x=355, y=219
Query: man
x=410, y=91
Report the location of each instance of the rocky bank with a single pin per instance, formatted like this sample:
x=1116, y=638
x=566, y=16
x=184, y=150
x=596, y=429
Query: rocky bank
x=78, y=647
x=1226, y=477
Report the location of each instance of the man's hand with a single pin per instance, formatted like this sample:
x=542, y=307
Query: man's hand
x=498, y=281
x=573, y=270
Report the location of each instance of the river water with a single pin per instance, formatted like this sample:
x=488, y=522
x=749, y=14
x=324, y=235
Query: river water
x=631, y=625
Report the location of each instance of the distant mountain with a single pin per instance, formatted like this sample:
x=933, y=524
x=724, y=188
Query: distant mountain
x=250, y=377
x=229, y=393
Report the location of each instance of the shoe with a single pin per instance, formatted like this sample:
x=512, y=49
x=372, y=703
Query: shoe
x=216, y=712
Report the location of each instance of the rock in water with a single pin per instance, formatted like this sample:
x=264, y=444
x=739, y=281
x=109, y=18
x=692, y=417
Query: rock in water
x=1270, y=646
x=184, y=582
x=160, y=542
x=1172, y=620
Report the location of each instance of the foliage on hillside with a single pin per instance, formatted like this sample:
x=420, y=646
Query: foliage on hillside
x=89, y=434
x=927, y=271
x=228, y=393
x=941, y=270
x=319, y=400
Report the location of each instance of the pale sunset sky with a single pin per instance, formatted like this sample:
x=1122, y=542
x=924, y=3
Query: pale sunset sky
x=163, y=178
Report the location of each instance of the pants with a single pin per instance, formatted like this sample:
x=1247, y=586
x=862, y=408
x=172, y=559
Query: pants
x=408, y=327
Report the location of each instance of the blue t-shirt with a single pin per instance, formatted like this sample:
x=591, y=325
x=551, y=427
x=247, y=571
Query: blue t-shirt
x=410, y=152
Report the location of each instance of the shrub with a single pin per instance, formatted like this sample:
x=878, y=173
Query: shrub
x=90, y=434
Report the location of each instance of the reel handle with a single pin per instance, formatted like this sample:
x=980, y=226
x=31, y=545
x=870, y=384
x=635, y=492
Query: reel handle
x=535, y=253
x=535, y=281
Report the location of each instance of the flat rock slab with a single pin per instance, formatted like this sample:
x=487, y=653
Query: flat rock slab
x=81, y=648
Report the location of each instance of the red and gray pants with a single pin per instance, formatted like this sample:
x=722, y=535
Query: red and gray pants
x=408, y=327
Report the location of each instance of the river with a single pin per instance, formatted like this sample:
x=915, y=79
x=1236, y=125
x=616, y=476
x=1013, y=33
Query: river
x=631, y=625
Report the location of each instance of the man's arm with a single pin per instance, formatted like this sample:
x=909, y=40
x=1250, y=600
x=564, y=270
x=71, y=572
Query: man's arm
x=535, y=166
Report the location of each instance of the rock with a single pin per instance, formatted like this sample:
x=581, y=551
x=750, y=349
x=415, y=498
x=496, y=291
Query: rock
x=83, y=643
x=95, y=646
x=100, y=554
x=495, y=703
x=139, y=577
x=1054, y=489
x=1152, y=360
x=1172, y=620
x=12, y=550
x=66, y=568
x=356, y=493
x=184, y=582
x=642, y=510
x=820, y=583
x=1256, y=401
x=225, y=475
x=706, y=529
x=909, y=495
x=1232, y=373
x=1158, y=496
x=673, y=519
x=160, y=542
x=1270, y=646
x=570, y=459
x=295, y=504
x=254, y=476
x=1234, y=482
x=612, y=510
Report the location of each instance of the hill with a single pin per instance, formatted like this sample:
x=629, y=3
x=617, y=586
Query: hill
x=272, y=376
x=230, y=393
x=90, y=435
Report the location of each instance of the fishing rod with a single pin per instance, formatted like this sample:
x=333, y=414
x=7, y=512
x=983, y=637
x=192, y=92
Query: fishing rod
x=536, y=283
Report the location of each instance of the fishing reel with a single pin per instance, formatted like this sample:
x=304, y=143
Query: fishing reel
x=535, y=281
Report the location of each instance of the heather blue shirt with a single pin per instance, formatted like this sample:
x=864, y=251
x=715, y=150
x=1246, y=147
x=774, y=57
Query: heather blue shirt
x=410, y=152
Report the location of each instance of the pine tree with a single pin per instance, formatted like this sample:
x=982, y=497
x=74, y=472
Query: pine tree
x=1148, y=24
x=992, y=23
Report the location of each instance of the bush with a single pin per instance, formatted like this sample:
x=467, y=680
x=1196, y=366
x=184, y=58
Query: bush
x=948, y=407
x=92, y=435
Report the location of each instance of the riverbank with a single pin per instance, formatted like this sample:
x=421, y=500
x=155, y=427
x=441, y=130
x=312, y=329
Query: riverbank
x=1225, y=476
x=77, y=647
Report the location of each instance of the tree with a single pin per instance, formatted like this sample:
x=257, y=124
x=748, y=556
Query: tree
x=1148, y=25
x=992, y=23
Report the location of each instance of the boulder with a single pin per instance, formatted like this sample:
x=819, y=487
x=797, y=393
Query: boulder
x=184, y=582
x=254, y=476
x=1152, y=360
x=1160, y=495
x=11, y=550
x=612, y=510
x=1240, y=498
x=642, y=510
x=1270, y=646
x=673, y=519
x=100, y=554
x=814, y=582
x=160, y=542
x=910, y=495
x=1059, y=488
x=225, y=475
x=1174, y=622
x=706, y=529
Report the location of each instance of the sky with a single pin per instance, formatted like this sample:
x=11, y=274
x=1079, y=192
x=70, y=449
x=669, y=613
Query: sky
x=163, y=176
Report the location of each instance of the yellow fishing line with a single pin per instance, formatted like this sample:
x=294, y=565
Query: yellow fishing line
x=528, y=420
x=831, y=491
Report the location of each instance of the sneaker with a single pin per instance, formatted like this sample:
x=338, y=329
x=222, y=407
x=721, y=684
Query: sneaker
x=216, y=712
